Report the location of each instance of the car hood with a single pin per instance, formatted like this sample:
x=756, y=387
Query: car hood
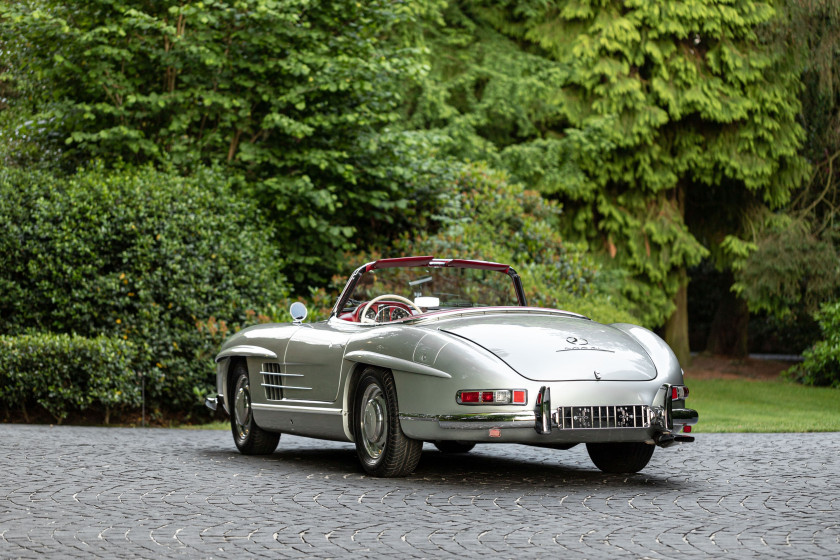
x=555, y=347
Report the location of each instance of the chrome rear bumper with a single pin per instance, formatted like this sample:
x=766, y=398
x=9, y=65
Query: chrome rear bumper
x=658, y=423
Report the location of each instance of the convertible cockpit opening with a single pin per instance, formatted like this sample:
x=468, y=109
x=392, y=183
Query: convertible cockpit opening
x=382, y=293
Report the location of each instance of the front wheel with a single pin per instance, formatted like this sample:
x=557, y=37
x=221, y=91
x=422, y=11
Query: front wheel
x=624, y=457
x=250, y=439
x=382, y=447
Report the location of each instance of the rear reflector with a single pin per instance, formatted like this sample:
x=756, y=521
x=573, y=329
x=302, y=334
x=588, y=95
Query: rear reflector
x=519, y=397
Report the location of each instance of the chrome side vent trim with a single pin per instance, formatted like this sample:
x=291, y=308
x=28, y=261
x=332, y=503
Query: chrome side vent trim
x=602, y=417
x=274, y=382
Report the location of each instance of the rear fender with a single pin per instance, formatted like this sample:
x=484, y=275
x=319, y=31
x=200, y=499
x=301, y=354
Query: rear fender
x=666, y=362
x=349, y=395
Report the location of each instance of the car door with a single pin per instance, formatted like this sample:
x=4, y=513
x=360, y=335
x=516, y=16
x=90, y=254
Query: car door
x=313, y=361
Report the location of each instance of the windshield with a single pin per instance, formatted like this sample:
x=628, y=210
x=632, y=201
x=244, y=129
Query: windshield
x=426, y=288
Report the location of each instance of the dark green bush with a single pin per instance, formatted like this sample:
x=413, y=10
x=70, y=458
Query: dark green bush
x=137, y=254
x=64, y=373
x=822, y=361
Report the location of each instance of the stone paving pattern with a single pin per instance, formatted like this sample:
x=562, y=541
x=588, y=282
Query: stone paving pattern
x=122, y=493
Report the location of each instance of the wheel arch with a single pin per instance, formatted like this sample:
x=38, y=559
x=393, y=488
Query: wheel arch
x=231, y=366
x=349, y=396
x=232, y=354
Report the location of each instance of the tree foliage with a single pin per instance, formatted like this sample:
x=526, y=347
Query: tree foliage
x=299, y=98
x=624, y=111
x=788, y=269
x=789, y=261
x=489, y=217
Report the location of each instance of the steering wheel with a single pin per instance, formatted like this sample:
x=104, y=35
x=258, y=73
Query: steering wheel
x=364, y=318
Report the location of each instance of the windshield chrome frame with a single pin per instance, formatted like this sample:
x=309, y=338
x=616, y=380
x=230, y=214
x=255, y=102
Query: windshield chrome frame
x=426, y=261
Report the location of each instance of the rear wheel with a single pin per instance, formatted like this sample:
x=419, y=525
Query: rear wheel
x=250, y=439
x=383, y=448
x=451, y=446
x=623, y=457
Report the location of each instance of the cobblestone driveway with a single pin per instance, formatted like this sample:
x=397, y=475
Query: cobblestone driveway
x=119, y=493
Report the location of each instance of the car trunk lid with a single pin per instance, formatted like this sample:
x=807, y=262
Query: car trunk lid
x=556, y=347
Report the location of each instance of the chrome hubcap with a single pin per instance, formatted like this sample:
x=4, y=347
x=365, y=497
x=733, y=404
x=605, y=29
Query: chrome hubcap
x=242, y=408
x=374, y=421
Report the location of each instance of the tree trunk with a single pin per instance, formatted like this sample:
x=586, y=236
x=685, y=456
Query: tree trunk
x=729, y=328
x=676, y=327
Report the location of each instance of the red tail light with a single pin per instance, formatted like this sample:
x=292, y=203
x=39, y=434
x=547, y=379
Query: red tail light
x=492, y=396
x=469, y=397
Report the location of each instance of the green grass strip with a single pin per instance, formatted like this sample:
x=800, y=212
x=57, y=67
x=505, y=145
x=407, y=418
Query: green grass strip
x=727, y=405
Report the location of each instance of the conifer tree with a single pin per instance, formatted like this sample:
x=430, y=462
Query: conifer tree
x=629, y=112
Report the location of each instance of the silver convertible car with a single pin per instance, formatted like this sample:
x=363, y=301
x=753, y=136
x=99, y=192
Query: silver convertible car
x=423, y=349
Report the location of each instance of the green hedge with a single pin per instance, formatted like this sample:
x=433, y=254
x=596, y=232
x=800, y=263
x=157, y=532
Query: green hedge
x=64, y=373
x=139, y=254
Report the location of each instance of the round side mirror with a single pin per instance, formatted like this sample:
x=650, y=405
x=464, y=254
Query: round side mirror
x=298, y=312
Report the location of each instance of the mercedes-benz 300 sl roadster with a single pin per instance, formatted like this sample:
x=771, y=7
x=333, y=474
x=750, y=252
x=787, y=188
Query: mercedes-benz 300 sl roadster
x=447, y=351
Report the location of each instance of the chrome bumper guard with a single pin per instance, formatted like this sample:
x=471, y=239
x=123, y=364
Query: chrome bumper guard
x=660, y=415
x=214, y=402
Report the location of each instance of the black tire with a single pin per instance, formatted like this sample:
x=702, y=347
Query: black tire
x=452, y=446
x=382, y=447
x=624, y=457
x=250, y=439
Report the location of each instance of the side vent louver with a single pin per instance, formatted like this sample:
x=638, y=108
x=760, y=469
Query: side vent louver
x=272, y=381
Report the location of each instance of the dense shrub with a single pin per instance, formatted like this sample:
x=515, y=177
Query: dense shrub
x=822, y=361
x=65, y=373
x=138, y=254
